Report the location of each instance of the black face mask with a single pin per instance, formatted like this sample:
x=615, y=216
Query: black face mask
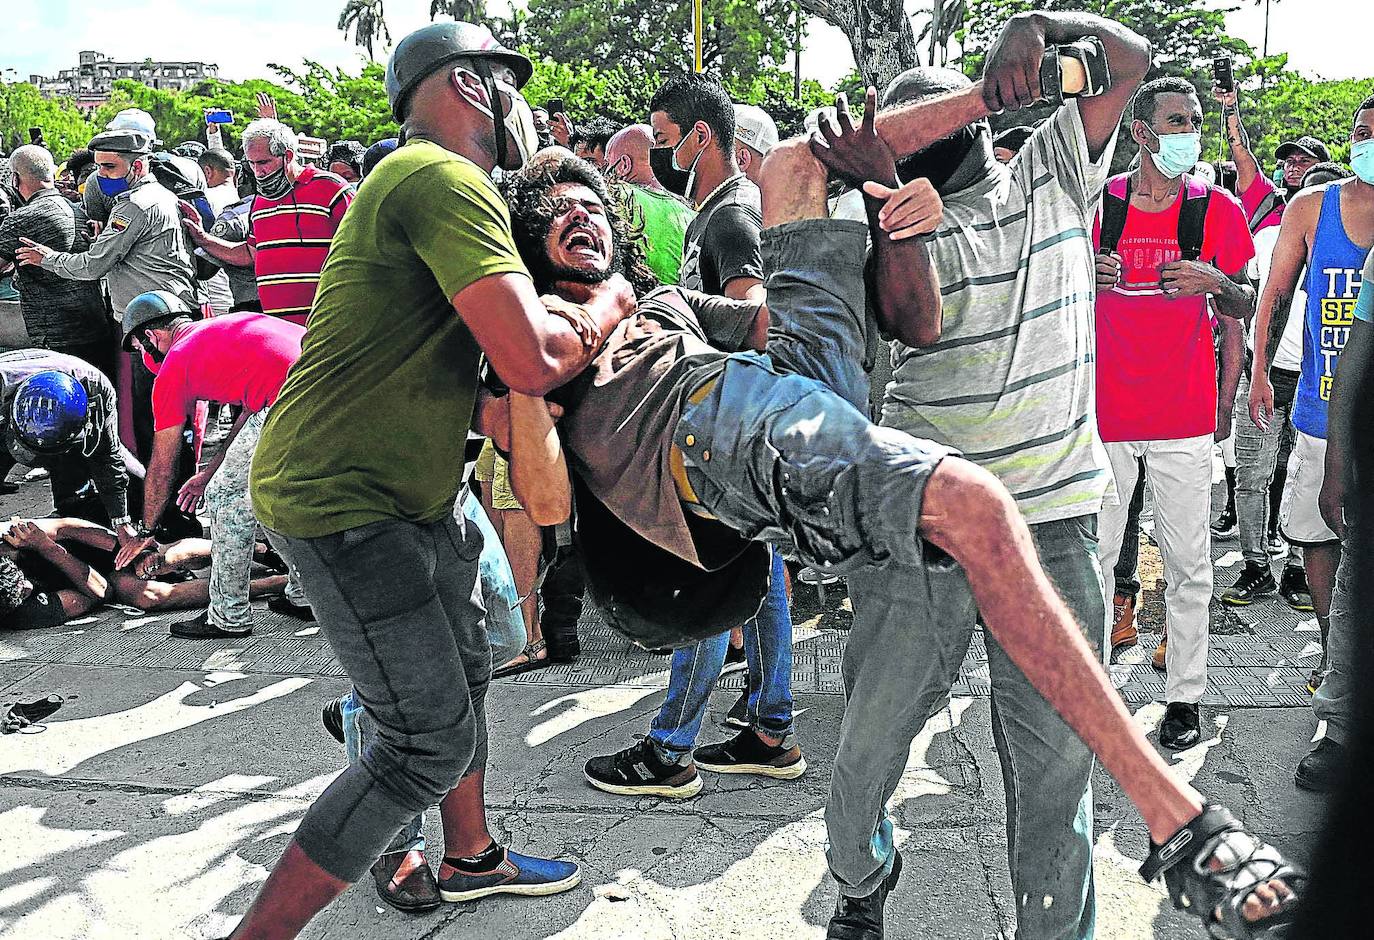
x=940, y=160
x=668, y=176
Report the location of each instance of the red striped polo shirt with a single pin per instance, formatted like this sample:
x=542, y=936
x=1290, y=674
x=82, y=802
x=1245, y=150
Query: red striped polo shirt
x=291, y=236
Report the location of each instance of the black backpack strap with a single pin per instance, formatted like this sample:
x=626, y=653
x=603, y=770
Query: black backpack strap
x=1267, y=205
x=1113, y=217
x=1192, y=220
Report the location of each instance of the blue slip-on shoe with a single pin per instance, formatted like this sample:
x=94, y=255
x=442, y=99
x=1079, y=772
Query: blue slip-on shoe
x=515, y=874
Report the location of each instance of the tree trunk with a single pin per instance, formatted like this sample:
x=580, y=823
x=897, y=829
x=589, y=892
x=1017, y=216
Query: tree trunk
x=879, y=32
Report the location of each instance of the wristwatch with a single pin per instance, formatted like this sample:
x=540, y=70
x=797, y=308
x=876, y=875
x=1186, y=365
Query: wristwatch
x=144, y=532
x=122, y=520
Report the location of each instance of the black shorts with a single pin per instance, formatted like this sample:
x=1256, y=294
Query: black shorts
x=43, y=608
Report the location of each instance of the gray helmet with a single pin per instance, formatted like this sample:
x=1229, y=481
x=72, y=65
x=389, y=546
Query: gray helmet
x=419, y=54
x=121, y=141
x=152, y=305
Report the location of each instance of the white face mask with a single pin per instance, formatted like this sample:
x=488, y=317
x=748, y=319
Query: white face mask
x=518, y=122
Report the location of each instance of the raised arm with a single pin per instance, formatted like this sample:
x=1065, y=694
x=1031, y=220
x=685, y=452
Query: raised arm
x=1247, y=167
x=1011, y=81
x=1288, y=261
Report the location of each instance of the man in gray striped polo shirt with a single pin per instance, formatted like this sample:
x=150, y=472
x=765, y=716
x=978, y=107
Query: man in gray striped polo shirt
x=994, y=357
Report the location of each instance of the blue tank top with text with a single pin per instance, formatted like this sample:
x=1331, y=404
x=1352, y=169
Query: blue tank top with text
x=1333, y=287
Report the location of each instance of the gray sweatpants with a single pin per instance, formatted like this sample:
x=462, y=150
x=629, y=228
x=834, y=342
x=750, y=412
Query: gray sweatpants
x=401, y=604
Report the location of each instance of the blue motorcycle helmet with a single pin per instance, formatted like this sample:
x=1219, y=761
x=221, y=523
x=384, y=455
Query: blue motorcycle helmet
x=47, y=417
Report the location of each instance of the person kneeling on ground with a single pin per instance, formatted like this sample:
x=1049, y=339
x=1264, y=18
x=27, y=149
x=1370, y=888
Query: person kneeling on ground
x=54, y=569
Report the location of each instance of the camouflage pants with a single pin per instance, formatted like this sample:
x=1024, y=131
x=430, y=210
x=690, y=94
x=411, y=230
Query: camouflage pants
x=233, y=528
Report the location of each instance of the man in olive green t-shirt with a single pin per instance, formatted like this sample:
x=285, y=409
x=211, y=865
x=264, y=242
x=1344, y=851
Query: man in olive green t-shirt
x=359, y=465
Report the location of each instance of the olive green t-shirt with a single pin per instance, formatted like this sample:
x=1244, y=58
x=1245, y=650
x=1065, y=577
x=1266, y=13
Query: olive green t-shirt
x=372, y=420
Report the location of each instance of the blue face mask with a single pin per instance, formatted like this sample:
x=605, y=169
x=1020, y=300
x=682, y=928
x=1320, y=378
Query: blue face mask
x=113, y=187
x=1362, y=160
x=1178, y=153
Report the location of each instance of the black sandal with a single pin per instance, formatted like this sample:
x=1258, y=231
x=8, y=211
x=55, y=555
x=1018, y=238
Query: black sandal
x=1249, y=863
x=530, y=664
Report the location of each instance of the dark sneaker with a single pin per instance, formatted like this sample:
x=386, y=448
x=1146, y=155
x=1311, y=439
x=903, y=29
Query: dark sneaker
x=283, y=606
x=638, y=771
x=734, y=660
x=1181, y=727
x=1254, y=582
x=1225, y=525
x=1323, y=769
x=1293, y=588
x=746, y=753
x=417, y=891
x=332, y=718
x=516, y=874
x=200, y=628
x=862, y=918
x=738, y=715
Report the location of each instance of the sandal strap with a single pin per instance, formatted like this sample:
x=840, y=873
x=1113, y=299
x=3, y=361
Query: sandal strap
x=1212, y=821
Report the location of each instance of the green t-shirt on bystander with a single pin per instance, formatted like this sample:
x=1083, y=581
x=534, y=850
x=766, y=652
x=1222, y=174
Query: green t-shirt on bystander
x=373, y=418
x=665, y=220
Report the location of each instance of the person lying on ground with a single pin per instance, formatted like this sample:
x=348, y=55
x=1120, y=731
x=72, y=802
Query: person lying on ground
x=52, y=570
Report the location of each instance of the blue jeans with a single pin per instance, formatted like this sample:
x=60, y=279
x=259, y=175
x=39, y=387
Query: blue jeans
x=695, y=669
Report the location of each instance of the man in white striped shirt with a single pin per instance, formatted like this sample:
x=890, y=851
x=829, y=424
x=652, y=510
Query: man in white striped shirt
x=994, y=357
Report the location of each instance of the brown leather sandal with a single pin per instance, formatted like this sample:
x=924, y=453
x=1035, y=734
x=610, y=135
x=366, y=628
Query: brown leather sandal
x=418, y=891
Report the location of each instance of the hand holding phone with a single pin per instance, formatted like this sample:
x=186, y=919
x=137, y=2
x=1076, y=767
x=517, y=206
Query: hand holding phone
x=1222, y=73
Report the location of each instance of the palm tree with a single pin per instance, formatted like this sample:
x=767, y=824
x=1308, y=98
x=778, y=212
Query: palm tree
x=945, y=19
x=367, y=21
x=466, y=11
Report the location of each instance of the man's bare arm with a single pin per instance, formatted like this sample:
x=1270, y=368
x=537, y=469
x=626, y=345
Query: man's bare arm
x=1352, y=370
x=532, y=349
x=1236, y=297
x=917, y=125
x=1285, y=267
x=538, y=469
x=903, y=284
x=1247, y=167
x=1232, y=363
x=1127, y=52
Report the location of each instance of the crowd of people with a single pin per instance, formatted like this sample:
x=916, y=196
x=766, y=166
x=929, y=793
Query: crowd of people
x=649, y=351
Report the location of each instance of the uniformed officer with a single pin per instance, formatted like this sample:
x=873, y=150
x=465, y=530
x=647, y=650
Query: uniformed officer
x=142, y=247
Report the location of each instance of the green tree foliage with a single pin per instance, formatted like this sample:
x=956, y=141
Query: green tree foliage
x=1289, y=106
x=316, y=100
x=653, y=37
x=22, y=107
